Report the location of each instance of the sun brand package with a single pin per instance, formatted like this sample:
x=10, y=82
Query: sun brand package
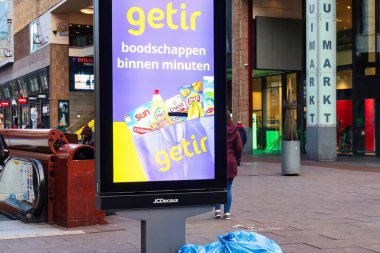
x=139, y=120
x=208, y=95
x=192, y=95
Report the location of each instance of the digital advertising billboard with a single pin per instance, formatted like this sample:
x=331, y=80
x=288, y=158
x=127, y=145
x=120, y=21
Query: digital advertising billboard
x=161, y=107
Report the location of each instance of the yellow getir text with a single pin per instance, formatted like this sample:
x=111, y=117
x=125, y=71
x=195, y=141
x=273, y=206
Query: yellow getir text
x=157, y=18
x=177, y=153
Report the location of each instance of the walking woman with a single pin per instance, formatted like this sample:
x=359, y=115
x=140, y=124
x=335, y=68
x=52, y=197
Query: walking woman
x=234, y=149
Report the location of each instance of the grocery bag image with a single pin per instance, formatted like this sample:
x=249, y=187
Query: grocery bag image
x=183, y=151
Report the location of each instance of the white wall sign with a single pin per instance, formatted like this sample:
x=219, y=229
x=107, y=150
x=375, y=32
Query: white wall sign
x=321, y=63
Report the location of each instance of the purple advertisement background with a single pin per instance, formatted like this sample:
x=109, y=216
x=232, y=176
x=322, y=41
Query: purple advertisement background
x=134, y=87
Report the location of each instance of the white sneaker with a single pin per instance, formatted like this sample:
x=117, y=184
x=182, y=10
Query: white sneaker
x=227, y=216
x=218, y=214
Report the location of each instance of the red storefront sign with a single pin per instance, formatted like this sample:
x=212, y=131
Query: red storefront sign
x=22, y=101
x=4, y=104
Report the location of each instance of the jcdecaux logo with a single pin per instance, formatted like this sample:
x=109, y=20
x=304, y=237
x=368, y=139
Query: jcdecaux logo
x=165, y=201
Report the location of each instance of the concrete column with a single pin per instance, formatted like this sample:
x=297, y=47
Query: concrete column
x=240, y=60
x=321, y=137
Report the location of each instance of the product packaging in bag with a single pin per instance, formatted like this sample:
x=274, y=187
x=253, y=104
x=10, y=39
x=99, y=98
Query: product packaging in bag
x=159, y=112
x=192, y=95
x=183, y=151
x=176, y=104
x=177, y=109
x=139, y=120
x=208, y=95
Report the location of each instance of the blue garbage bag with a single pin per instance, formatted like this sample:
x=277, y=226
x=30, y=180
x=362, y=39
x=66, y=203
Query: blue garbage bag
x=190, y=248
x=236, y=242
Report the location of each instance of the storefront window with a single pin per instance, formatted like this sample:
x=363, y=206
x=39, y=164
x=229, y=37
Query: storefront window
x=344, y=111
x=272, y=112
x=23, y=87
x=81, y=35
x=15, y=91
x=81, y=76
x=344, y=32
x=43, y=80
x=8, y=118
x=366, y=37
x=365, y=127
x=6, y=92
x=257, y=114
x=25, y=116
x=33, y=84
x=45, y=118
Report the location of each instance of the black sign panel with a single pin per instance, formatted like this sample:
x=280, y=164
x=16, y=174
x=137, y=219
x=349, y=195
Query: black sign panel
x=32, y=98
x=160, y=103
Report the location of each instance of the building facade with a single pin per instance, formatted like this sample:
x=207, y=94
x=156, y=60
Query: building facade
x=46, y=50
x=270, y=54
x=46, y=62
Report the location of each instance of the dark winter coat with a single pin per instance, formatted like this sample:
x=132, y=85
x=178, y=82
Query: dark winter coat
x=234, y=148
x=243, y=135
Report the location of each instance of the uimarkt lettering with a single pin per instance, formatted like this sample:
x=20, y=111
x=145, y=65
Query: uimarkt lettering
x=164, y=201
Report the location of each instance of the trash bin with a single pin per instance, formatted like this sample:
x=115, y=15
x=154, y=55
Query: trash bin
x=75, y=187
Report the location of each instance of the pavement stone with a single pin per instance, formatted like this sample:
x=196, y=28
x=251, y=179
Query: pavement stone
x=325, y=209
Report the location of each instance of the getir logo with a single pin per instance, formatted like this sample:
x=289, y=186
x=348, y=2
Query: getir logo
x=158, y=18
x=165, y=201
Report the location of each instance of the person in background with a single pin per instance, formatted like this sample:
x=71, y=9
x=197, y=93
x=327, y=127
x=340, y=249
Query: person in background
x=86, y=134
x=40, y=124
x=243, y=137
x=15, y=124
x=92, y=141
x=61, y=127
x=1, y=121
x=234, y=147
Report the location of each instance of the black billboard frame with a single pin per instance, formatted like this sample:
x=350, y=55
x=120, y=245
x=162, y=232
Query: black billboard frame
x=119, y=196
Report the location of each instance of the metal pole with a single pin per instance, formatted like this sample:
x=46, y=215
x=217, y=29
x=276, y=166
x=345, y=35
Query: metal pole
x=163, y=230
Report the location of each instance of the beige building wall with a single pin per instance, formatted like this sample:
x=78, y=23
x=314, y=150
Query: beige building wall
x=25, y=11
x=59, y=79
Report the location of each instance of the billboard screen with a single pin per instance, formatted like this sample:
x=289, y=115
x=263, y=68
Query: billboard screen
x=81, y=75
x=162, y=90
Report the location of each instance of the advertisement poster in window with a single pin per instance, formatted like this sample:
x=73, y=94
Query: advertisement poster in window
x=81, y=74
x=63, y=112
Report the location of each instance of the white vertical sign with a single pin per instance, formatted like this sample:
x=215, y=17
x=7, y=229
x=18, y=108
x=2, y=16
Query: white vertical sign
x=327, y=63
x=321, y=63
x=312, y=62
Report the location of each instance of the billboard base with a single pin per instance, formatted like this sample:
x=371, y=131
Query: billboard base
x=163, y=229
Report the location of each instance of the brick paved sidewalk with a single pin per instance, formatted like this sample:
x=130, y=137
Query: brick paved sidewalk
x=324, y=210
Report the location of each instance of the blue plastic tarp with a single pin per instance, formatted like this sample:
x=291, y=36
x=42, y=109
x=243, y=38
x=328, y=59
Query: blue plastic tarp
x=236, y=242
